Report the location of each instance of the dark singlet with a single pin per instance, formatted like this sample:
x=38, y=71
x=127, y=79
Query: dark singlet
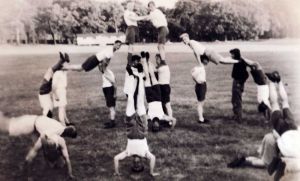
x=259, y=76
x=135, y=129
x=239, y=71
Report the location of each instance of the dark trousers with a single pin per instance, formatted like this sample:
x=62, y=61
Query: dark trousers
x=236, y=99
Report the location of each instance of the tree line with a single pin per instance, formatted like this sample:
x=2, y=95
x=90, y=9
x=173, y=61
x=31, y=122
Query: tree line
x=205, y=20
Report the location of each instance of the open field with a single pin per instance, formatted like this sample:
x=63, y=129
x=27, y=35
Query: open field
x=190, y=152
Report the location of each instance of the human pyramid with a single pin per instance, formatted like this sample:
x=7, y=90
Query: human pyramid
x=145, y=80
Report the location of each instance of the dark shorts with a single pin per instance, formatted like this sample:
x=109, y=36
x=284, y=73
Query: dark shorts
x=46, y=87
x=153, y=93
x=109, y=96
x=200, y=90
x=283, y=120
x=90, y=63
x=165, y=90
x=162, y=34
x=132, y=34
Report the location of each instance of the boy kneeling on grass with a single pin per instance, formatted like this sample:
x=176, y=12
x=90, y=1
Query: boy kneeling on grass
x=137, y=147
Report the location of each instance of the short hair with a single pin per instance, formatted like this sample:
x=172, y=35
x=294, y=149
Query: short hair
x=158, y=55
x=204, y=57
x=118, y=41
x=155, y=124
x=236, y=53
x=184, y=35
x=151, y=2
x=70, y=131
x=137, y=164
x=136, y=58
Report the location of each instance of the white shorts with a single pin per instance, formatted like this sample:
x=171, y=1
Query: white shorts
x=129, y=84
x=46, y=102
x=155, y=110
x=21, y=125
x=59, y=97
x=137, y=147
x=289, y=144
x=263, y=94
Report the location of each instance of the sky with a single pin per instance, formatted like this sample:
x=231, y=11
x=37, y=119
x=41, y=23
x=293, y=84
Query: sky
x=164, y=3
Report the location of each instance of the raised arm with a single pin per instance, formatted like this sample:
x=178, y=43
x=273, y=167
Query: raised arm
x=117, y=159
x=228, y=60
x=65, y=154
x=249, y=62
x=197, y=55
x=152, y=159
x=74, y=67
x=34, y=150
x=137, y=18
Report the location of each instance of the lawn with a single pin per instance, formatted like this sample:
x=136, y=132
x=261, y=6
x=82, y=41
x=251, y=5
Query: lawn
x=190, y=152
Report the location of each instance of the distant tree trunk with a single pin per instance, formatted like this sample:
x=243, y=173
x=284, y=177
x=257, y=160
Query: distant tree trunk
x=116, y=27
x=53, y=38
x=17, y=35
x=52, y=33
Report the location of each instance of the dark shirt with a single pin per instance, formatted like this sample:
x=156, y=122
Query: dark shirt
x=239, y=71
x=135, y=128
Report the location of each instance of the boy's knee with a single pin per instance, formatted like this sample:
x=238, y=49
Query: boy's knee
x=270, y=139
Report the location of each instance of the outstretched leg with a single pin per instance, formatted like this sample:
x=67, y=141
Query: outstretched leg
x=283, y=95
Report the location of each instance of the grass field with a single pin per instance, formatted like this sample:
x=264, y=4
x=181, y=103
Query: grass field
x=190, y=152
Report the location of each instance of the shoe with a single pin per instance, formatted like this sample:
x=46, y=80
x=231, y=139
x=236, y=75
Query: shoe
x=67, y=58
x=273, y=76
x=237, y=119
x=205, y=121
x=109, y=125
x=280, y=170
x=70, y=124
x=237, y=162
x=273, y=165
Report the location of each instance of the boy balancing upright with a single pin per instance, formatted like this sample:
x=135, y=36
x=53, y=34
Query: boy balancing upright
x=132, y=36
x=203, y=56
x=159, y=21
x=163, y=77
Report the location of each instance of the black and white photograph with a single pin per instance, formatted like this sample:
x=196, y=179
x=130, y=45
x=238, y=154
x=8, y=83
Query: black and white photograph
x=167, y=90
